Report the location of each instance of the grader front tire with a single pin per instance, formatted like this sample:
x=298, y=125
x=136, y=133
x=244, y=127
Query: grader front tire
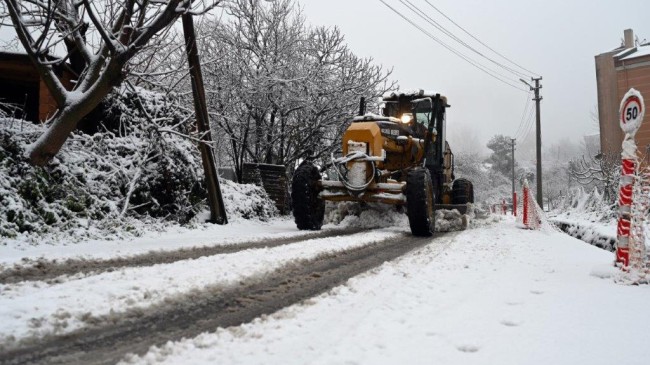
x=420, y=200
x=308, y=208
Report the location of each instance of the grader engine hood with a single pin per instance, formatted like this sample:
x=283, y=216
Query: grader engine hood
x=368, y=132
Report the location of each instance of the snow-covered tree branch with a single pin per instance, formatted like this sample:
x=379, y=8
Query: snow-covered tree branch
x=601, y=171
x=99, y=38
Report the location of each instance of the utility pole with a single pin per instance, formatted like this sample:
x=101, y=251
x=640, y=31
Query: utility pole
x=538, y=125
x=514, y=198
x=215, y=200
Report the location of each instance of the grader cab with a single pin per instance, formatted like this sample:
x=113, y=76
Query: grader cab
x=400, y=157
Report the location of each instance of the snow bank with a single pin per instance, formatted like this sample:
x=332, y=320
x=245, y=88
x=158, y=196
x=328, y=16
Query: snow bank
x=589, y=217
x=118, y=182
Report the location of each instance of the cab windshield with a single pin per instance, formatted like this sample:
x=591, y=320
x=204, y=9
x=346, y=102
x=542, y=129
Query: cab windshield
x=423, y=118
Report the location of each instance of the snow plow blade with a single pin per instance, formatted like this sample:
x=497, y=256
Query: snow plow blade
x=387, y=193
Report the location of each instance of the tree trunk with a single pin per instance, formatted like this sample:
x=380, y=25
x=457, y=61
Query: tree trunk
x=77, y=105
x=65, y=121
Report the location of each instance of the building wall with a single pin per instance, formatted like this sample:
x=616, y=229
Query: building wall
x=611, y=135
x=635, y=73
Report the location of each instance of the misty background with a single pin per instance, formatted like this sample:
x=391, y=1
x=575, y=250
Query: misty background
x=555, y=39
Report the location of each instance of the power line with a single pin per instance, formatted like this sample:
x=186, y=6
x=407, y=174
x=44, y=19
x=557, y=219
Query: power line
x=451, y=49
x=529, y=125
x=524, y=125
x=523, y=114
x=478, y=40
x=434, y=23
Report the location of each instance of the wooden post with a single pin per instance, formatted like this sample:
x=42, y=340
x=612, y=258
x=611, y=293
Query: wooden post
x=215, y=200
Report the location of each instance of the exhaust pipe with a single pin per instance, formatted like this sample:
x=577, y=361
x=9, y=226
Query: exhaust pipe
x=362, y=106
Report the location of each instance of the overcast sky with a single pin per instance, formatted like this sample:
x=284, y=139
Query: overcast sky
x=556, y=39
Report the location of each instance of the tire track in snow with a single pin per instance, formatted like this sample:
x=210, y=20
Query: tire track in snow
x=206, y=310
x=51, y=269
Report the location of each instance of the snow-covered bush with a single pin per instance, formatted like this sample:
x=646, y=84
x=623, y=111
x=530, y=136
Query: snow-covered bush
x=132, y=168
x=589, y=206
x=490, y=186
x=587, y=216
x=247, y=201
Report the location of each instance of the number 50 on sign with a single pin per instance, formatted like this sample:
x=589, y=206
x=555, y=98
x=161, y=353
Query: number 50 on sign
x=632, y=110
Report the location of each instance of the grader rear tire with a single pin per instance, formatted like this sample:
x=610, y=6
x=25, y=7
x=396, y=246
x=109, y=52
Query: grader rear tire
x=308, y=208
x=420, y=200
x=462, y=192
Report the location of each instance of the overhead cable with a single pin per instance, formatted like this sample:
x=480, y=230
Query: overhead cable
x=467, y=59
x=482, y=43
x=422, y=14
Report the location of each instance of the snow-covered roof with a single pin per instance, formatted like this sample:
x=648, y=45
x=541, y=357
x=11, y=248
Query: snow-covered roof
x=624, y=52
x=638, y=51
x=374, y=117
x=412, y=92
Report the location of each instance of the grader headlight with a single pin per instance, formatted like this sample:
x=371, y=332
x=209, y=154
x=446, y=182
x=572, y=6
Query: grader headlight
x=406, y=118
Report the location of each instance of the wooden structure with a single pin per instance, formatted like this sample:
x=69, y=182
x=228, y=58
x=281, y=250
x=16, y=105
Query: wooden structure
x=20, y=84
x=273, y=178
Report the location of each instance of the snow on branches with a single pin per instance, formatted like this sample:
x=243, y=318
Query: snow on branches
x=131, y=167
x=96, y=40
x=601, y=171
x=277, y=89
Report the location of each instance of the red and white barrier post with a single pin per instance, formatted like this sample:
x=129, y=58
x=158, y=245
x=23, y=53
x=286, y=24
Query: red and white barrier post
x=632, y=110
x=524, y=209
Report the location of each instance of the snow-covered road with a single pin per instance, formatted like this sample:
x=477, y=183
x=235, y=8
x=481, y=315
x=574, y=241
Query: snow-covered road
x=497, y=295
x=488, y=295
x=37, y=308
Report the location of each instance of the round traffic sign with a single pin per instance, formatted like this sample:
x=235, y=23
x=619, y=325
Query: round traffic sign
x=632, y=110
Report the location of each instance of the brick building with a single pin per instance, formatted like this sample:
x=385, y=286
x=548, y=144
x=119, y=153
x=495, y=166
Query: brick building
x=618, y=70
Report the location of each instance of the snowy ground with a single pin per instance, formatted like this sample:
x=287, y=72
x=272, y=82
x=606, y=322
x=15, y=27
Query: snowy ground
x=19, y=252
x=498, y=295
x=494, y=294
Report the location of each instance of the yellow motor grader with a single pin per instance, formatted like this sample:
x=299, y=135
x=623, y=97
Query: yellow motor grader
x=400, y=157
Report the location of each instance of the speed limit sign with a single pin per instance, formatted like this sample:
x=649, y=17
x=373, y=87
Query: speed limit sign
x=632, y=110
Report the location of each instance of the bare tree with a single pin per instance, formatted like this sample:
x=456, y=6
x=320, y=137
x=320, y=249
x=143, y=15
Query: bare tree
x=99, y=39
x=600, y=171
x=282, y=89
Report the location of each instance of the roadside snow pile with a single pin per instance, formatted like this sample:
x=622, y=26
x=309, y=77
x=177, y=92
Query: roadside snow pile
x=475, y=217
x=247, y=201
x=589, y=217
x=382, y=215
x=99, y=183
x=451, y=220
x=367, y=215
